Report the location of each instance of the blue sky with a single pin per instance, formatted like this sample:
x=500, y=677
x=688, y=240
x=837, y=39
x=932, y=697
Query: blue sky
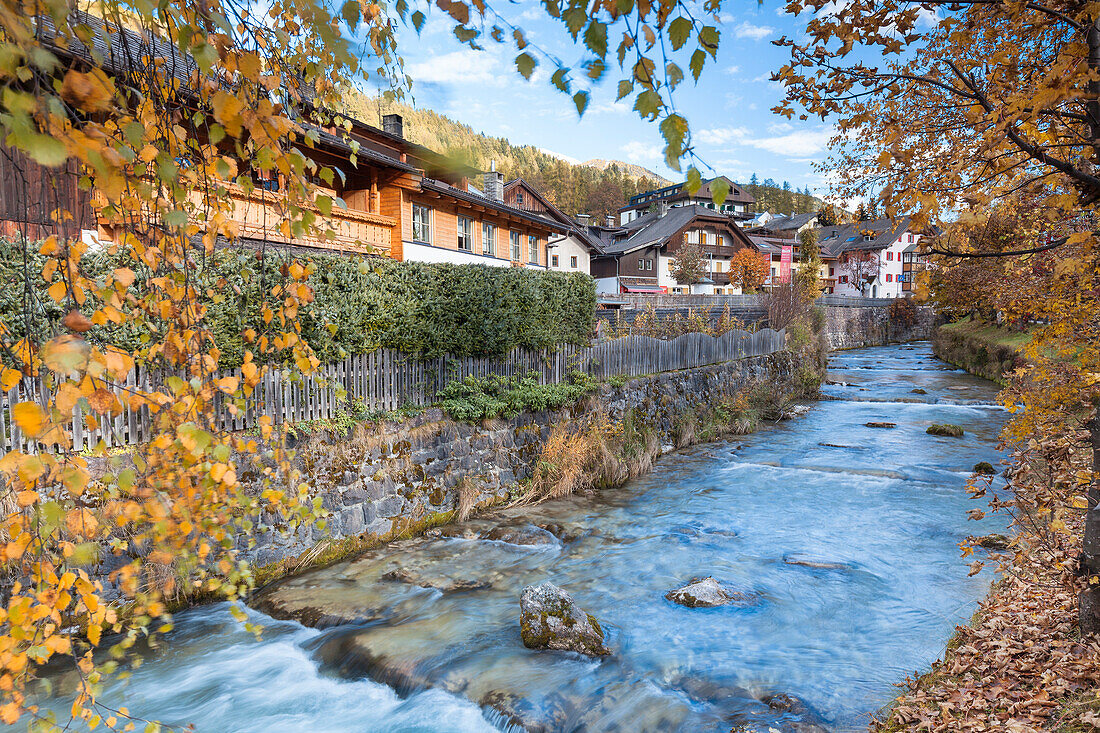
x=729, y=110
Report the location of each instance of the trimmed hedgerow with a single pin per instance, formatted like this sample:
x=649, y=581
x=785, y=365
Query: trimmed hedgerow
x=360, y=303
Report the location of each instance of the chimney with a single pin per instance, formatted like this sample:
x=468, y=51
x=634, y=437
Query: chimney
x=394, y=125
x=583, y=219
x=610, y=221
x=494, y=183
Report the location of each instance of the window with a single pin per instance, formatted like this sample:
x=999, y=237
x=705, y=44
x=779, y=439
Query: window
x=488, y=238
x=422, y=224
x=718, y=266
x=641, y=264
x=910, y=239
x=889, y=278
x=889, y=256
x=519, y=197
x=532, y=248
x=465, y=234
x=649, y=264
x=907, y=257
x=572, y=262
x=265, y=180
x=830, y=271
x=513, y=240
x=554, y=260
x=843, y=279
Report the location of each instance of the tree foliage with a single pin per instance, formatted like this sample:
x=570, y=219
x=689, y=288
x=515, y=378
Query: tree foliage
x=167, y=109
x=748, y=270
x=689, y=266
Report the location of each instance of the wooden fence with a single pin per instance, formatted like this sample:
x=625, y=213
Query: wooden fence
x=385, y=380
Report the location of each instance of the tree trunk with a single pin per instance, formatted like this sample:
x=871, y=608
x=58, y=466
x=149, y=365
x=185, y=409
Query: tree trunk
x=1089, y=600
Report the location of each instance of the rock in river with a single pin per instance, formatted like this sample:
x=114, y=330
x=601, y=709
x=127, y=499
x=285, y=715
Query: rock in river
x=881, y=424
x=550, y=619
x=949, y=431
x=707, y=593
x=527, y=534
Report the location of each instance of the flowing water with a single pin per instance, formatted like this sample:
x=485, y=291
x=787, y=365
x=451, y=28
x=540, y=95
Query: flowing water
x=846, y=536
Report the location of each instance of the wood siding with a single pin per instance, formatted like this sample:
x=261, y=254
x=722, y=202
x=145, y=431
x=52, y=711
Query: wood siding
x=444, y=234
x=31, y=195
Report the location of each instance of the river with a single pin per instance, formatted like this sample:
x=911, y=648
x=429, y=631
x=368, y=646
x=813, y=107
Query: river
x=879, y=511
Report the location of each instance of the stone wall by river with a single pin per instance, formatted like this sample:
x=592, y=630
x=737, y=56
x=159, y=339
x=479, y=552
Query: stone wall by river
x=395, y=479
x=854, y=327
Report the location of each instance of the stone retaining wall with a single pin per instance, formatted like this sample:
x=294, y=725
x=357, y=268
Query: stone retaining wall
x=394, y=479
x=853, y=327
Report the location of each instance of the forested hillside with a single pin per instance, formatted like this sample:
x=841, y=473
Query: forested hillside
x=598, y=187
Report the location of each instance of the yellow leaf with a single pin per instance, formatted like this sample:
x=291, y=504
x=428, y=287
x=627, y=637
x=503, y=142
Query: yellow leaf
x=30, y=418
x=57, y=291
x=227, y=111
x=9, y=378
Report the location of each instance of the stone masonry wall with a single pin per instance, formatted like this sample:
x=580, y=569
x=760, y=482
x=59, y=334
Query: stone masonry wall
x=396, y=478
x=849, y=327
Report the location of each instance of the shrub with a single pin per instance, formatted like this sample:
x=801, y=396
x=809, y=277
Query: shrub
x=474, y=399
x=359, y=304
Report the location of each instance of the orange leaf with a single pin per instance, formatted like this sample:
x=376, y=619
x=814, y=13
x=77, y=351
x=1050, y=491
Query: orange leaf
x=76, y=321
x=9, y=378
x=30, y=418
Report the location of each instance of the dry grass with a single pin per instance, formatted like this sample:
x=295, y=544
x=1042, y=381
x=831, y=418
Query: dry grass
x=467, y=499
x=565, y=464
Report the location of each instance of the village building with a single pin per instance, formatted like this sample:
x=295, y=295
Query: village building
x=638, y=257
x=569, y=250
x=736, y=205
x=401, y=199
x=866, y=258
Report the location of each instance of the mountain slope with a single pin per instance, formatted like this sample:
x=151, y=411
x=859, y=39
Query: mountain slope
x=597, y=187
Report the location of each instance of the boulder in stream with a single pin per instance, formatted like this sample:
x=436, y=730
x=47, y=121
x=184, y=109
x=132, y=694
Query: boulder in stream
x=949, y=431
x=881, y=424
x=526, y=534
x=549, y=618
x=817, y=563
x=984, y=468
x=918, y=390
x=708, y=593
x=809, y=721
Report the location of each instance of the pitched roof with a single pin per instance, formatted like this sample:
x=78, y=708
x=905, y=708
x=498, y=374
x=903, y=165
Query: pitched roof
x=652, y=230
x=861, y=236
x=791, y=221
x=430, y=184
x=737, y=193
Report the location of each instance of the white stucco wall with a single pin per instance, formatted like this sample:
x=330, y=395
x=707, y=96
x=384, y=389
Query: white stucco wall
x=416, y=252
x=567, y=248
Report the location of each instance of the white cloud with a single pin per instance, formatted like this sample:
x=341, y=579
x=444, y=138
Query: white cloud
x=733, y=69
x=755, y=32
x=722, y=135
x=641, y=153
x=800, y=144
x=784, y=140
x=460, y=67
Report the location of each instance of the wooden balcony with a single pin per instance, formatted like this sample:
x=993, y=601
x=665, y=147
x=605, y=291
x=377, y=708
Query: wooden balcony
x=257, y=215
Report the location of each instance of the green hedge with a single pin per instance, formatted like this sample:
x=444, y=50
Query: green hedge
x=360, y=303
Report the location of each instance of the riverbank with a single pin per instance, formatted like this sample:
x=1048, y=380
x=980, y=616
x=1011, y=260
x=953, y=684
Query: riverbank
x=983, y=349
x=1021, y=664
x=393, y=480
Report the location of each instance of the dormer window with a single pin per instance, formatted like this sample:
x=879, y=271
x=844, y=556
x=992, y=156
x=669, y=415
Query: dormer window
x=519, y=197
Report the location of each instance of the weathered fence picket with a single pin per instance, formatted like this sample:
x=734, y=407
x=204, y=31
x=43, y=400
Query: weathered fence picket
x=386, y=380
